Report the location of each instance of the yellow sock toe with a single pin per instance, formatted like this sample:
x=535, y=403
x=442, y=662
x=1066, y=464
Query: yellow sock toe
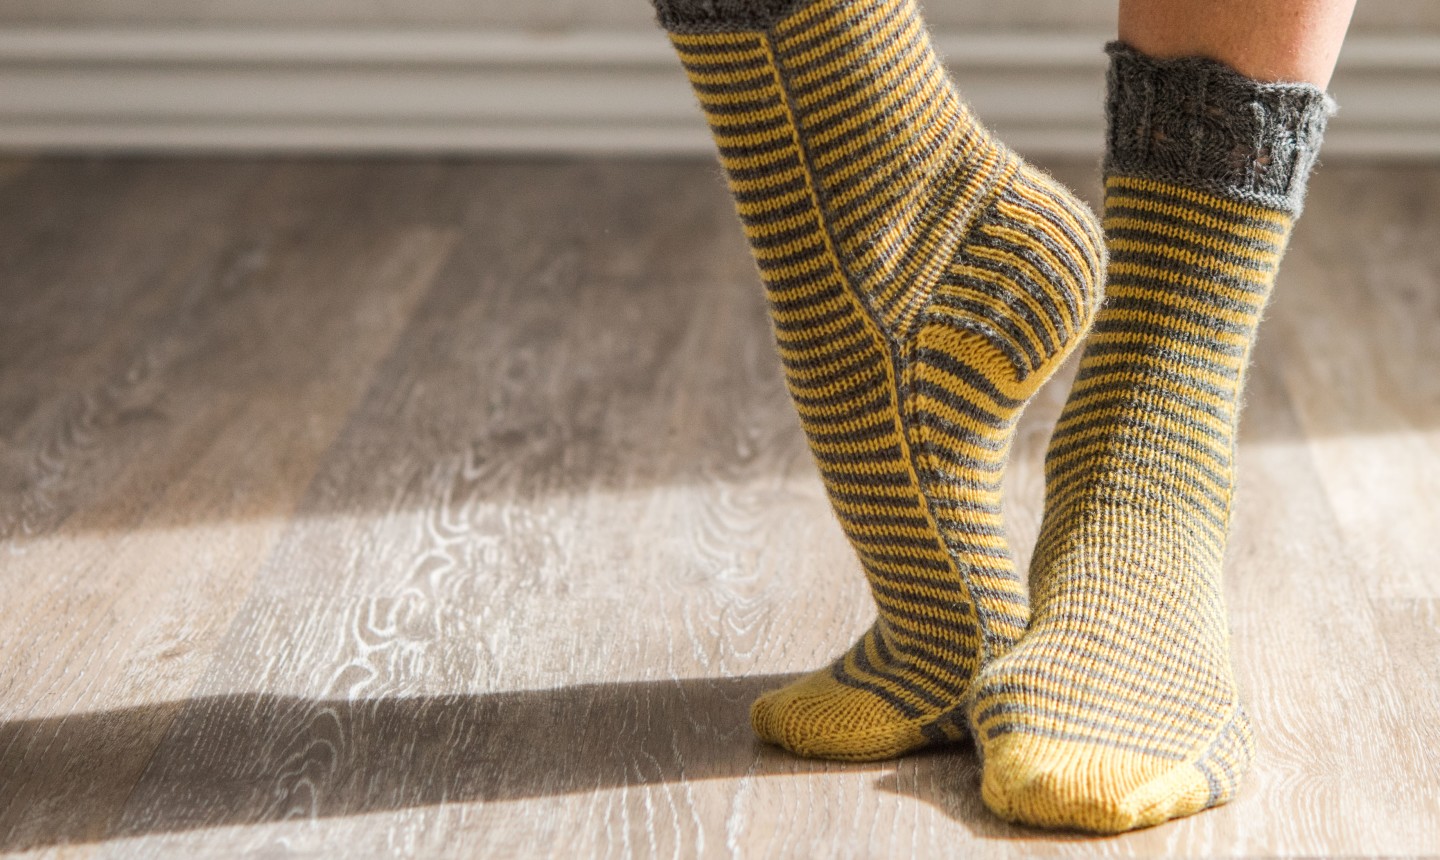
x=1076, y=786
x=820, y=717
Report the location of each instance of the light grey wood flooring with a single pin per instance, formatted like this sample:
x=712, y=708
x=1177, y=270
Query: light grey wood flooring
x=456, y=508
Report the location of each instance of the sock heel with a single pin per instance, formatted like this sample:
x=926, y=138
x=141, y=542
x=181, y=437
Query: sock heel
x=1048, y=248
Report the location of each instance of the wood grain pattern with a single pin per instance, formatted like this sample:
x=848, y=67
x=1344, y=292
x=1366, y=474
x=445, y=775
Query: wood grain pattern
x=457, y=509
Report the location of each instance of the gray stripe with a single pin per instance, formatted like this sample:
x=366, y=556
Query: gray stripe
x=866, y=99
x=1154, y=219
x=865, y=433
x=957, y=605
x=1137, y=427
x=1137, y=468
x=1170, y=284
x=1162, y=196
x=965, y=505
x=1113, y=655
x=905, y=561
x=1154, y=496
x=1136, y=682
x=1027, y=729
x=892, y=677
x=953, y=460
x=909, y=711
x=756, y=149
x=1028, y=254
x=957, y=368
x=1128, y=436
x=1154, y=238
x=855, y=47
x=1148, y=386
x=943, y=395
x=802, y=367
x=1003, y=330
x=823, y=322
x=1211, y=274
x=852, y=497
x=858, y=406
x=816, y=339
x=1087, y=246
x=780, y=299
x=1168, y=735
x=1173, y=338
x=953, y=642
x=762, y=128
x=769, y=216
x=930, y=663
x=739, y=108
x=760, y=78
x=761, y=172
x=795, y=38
x=872, y=380
x=771, y=268
x=926, y=666
x=722, y=67
x=1173, y=358
x=1146, y=463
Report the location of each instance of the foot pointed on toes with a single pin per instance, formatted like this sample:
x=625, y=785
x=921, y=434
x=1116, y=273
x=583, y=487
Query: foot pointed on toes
x=819, y=717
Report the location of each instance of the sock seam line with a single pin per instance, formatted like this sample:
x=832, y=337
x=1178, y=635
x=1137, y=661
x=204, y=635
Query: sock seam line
x=893, y=367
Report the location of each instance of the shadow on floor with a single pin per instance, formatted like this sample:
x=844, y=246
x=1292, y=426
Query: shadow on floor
x=253, y=758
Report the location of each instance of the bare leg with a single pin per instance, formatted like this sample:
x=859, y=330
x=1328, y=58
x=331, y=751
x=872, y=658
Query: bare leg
x=1268, y=40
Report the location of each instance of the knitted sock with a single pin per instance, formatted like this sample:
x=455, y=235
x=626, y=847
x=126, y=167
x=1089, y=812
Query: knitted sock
x=1119, y=708
x=923, y=282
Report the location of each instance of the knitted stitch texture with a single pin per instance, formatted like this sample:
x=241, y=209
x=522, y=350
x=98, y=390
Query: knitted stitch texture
x=1119, y=708
x=712, y=16
x=923, y=282
x=1199, y=123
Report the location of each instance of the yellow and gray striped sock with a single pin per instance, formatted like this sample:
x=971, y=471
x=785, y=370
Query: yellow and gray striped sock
x=1119, y=709
x=923, y=282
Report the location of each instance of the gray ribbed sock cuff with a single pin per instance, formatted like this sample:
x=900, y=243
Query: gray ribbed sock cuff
x=722, y=16
x=1199, y=123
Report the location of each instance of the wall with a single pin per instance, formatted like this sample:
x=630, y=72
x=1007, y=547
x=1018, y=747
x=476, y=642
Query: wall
x=565, y=76
x=958, y=15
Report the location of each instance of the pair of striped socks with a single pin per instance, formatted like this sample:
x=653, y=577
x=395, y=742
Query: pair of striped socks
x=923, y=282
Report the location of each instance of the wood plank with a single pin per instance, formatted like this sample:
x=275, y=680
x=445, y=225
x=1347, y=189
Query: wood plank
x=173, y=463
x=626, y=417
x=1362, y=344
x=458, y=508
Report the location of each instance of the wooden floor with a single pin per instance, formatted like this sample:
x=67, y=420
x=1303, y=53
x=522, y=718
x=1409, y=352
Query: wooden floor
x=455, y=508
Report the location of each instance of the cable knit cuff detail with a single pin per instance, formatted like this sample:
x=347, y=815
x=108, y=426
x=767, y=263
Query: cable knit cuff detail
x=1199, y=123
x=722, y=16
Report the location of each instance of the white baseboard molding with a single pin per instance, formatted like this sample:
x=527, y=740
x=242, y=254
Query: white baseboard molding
x=597, y=92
